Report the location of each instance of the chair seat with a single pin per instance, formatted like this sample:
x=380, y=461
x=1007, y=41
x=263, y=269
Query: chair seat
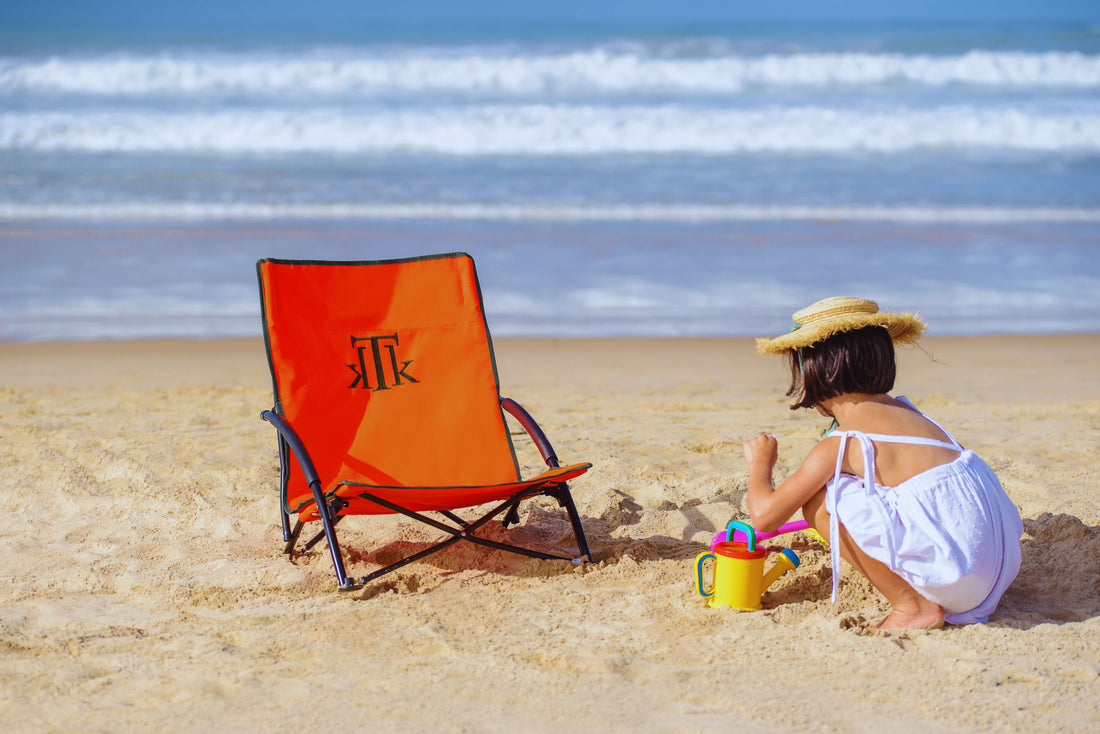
x=424, y=499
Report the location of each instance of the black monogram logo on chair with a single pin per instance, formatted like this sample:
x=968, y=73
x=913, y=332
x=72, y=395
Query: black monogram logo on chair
x=385, y=370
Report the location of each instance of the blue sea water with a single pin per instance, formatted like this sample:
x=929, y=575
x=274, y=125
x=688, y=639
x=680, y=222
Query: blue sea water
x=645, y=179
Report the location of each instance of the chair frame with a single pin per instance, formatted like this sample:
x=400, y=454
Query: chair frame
x=328, y=507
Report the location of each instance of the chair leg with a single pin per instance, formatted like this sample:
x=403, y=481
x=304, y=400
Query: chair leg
x=342, y=580
x=565, y=499
x=291, y=537
x=320, y=536
x=512, y=518
x=284, y=475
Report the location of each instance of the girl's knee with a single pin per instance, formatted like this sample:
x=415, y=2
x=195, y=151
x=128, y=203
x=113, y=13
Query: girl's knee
x=815, y=513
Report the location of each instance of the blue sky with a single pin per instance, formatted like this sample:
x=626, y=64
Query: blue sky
x=105, y=13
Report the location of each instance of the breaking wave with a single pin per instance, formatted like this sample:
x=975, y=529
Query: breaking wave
x=552, y=130
x=216, y=211
x=492, y=71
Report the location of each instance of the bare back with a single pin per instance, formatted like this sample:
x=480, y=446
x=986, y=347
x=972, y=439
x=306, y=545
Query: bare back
x=895, y=463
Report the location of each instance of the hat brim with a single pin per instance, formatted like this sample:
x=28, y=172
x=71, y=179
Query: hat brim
x=903, y=328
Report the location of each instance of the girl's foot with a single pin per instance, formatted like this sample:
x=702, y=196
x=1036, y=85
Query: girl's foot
x=927, y=615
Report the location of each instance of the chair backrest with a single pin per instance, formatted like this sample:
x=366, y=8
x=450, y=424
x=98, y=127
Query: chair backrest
x=385, y=369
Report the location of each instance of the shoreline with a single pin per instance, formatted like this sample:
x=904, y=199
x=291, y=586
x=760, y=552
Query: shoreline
x=26, y=362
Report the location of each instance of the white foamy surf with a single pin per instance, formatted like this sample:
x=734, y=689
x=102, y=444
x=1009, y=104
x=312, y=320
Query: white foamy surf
x=251, y=212
x=506, y=71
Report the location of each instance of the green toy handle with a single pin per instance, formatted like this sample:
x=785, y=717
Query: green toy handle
x=744, y=527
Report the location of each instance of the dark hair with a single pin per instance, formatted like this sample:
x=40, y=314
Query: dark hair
x=850, y=361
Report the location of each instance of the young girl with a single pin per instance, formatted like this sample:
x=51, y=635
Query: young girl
x=925, y=520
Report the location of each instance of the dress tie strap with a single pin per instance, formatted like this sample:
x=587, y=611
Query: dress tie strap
x=834, y=521
x=954, y=441
x=869, y=486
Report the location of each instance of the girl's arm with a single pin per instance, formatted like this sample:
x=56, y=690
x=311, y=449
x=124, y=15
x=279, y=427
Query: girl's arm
x=770, y=507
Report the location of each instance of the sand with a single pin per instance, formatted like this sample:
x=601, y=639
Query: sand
x=143, y=586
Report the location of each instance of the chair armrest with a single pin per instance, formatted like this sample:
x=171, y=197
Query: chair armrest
x=295, y=444
x=290, y=436
x=516, y=411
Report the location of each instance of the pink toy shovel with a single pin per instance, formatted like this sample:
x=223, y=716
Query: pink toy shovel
x=733, y=532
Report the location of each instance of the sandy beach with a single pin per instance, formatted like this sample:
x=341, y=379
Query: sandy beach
x=144, y=588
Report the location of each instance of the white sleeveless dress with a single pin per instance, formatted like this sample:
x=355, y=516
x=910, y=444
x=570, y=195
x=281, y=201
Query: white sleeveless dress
x=951, y=532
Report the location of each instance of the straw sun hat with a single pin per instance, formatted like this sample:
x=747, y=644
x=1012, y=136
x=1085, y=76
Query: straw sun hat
x=831, y=316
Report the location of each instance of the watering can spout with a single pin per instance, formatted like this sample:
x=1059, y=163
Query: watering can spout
x=787, y=561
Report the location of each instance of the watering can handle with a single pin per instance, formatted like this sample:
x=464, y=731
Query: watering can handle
x=748, y=530
x=699, y=561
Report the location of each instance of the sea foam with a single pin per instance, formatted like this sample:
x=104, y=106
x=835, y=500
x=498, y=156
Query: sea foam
x=554, y=130
x=489, y=71
x=216, y=211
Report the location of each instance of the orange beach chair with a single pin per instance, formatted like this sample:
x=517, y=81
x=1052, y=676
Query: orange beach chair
x=387, y=400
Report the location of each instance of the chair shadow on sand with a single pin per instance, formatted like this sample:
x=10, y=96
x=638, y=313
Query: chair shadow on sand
x=544, y=529
x=547, y=530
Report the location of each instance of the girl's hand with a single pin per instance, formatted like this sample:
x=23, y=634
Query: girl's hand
x=761, y=451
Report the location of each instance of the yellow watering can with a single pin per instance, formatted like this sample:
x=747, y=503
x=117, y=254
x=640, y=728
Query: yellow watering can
x=739, y=578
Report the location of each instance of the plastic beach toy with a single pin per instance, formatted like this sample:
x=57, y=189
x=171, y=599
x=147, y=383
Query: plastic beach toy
x=738, y=577
x=733, y=533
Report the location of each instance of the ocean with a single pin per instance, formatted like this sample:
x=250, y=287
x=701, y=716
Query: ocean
x=646, y=179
